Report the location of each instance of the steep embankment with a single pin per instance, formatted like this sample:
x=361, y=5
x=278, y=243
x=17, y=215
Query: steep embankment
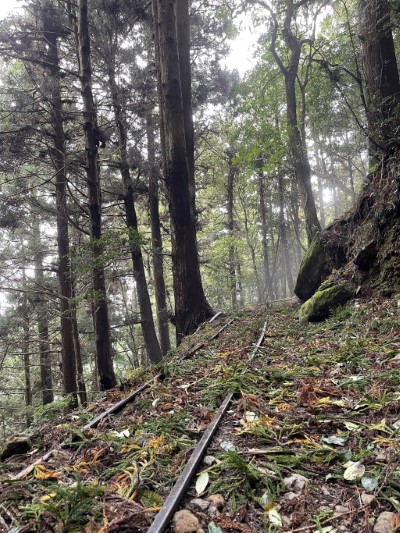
x=362, y=247
x=309, y=441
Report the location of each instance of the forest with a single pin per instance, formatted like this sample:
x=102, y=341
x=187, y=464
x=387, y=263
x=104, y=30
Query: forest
x=145, y=186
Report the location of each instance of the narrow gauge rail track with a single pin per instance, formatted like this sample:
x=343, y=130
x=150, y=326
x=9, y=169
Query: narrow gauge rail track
x=164, y=516
x=128, y=399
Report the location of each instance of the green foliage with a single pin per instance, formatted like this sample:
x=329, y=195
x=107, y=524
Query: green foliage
x=239, y=480
x=68, y=505
x=52, y=412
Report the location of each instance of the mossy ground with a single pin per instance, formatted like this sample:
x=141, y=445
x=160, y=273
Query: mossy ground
x=313, y=398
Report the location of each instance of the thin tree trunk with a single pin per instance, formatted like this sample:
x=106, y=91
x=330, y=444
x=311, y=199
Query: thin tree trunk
x=284, y=241
x=26, y=351
x=147, y=322
x=231, y=229
x=320, y=184
x=297, y=142
x=100, y=306
x=269, y=293
x=69, y=338
x=156, y=240
x=42, y=320
x=260, y=296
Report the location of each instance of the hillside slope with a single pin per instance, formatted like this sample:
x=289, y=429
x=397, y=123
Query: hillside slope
x=308, y=443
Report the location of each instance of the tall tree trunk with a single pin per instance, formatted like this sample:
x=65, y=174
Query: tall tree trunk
x=156, y=239
x=69, y=338
x=26, y=351
x=147, y=322
x=232, y=169
x=268, y=291
x=100, y=306
x=284, y=240
x=260, y=295
x=320, y=184
x=297, y=141
x=381, y=74
x=191, y=306
x=183, y=34
x=42, y=320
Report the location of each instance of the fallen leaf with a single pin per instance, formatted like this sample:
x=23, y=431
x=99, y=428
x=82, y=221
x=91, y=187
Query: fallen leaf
x=354, y=470
x=333, y=439
x=369, y=483
x=202, y=482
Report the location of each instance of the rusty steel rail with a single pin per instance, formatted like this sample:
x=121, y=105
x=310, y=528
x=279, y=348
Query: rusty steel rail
x=31, y=467
x=164, y=515
x=260, y=341
x=119, y=405
x=221, y=329
x=115, y=407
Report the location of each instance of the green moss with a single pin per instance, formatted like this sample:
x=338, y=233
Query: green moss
x=313, y=268
x=320, y=306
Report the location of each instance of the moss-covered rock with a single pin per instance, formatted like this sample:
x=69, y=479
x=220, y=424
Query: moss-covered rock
x=16, y=445
x=313, y=268
x=319, y=306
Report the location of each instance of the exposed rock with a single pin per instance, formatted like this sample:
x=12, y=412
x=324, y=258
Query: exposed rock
x=366, y=256
x=295, y=482
x=185, y=522
x=200, y=504
x=217, y=500
x=314, y=266
x=319, y=306
x=16, y=445
x=387, y=522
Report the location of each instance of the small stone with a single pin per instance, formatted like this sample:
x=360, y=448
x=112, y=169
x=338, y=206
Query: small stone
x=290, y=496
x=185, y=522
x=213, y=512
x=209, y=460
x=217, y=500
x=386, y=522
x=367, y=499
x=296, y=482
x=340, y=509
x=16, y=445
x=200, y=504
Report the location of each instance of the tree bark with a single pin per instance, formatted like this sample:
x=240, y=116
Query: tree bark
x=100, y=306
x=284, y=240
x=156, y=240
x=381, y=74
x=71, y=355
x=268, y=289
x=26, y=351
x=183, y=34
x=191, y=306
x=42, y=320
x=232, y=169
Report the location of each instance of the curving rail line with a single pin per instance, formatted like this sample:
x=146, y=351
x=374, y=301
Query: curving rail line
x=164, y=515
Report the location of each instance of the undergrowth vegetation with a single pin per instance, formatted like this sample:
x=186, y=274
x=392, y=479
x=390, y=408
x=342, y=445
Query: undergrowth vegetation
x=311, y=439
